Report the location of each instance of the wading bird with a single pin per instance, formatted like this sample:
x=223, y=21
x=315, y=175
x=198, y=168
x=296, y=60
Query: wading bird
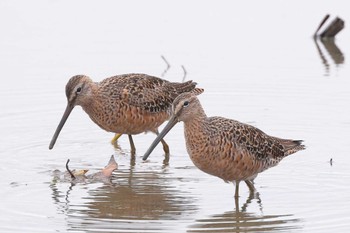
x=228, y=149
x=124, y=104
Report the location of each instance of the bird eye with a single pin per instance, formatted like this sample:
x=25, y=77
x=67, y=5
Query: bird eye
x=78, y=90
x=186, y=103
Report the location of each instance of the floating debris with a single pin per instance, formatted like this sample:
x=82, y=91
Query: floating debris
x=79, y=176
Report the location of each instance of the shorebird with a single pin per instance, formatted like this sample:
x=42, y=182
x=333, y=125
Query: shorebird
x=226, y=148
x=124, y=104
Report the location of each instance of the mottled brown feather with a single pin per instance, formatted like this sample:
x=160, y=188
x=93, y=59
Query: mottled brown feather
x=146, y=92
x=128, y=103
x=227, y=148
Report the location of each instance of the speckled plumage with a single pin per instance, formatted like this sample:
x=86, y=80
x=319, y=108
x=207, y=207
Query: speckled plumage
x=228, y=149
x=124, y=104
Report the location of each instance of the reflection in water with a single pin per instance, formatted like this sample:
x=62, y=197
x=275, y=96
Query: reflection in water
x=118, y=149
x=139, y=198
x=233, y=221
x=334, y=52
x=242, y=221
x=60, y=198
x=121, y=151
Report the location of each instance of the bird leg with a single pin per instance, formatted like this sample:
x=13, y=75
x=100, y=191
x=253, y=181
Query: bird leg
x=252, y=192
x=250, y=186
x=166, y=160
x=237, y=195
x=165, y=147
x=132, y=145
x=116, y=137
x=237, y=189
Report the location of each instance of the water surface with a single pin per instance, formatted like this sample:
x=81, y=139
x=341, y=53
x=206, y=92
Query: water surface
x=257, y=63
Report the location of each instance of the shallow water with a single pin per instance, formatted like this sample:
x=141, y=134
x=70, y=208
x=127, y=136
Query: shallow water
x=257, y=63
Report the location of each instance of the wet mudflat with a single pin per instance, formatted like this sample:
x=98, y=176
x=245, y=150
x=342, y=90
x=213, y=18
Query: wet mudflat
x=257, y=66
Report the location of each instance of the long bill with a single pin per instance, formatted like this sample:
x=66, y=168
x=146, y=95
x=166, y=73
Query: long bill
x=65, y=116
x=172, y=122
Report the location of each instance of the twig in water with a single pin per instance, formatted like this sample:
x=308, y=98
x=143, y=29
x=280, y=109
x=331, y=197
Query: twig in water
x=168, y=65
x=333, y=28
x=69, y=171
x=321, y=24
x=185, y=73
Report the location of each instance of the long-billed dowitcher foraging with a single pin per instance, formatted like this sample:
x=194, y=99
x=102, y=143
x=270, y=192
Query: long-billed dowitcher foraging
x=228, y=149
x=124, y=104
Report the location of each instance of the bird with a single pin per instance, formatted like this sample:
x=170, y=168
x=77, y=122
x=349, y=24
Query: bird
x=225, y=148
x=123, y=104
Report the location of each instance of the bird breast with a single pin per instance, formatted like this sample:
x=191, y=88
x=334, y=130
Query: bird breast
x=220, y=156
x=120, y=117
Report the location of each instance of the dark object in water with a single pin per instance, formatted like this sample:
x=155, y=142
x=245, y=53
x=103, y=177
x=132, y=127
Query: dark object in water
x=332, y=29
x=69, y=171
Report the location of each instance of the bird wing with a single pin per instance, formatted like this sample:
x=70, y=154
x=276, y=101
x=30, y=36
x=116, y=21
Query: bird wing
x=247, y=138
x=147, y=92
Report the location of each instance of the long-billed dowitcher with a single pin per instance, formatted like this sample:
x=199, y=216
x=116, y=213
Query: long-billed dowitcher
x=228, y=149
x=124, y=104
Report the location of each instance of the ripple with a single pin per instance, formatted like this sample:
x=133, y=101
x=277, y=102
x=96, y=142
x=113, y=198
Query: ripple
x=233, y=221
x=142, y=200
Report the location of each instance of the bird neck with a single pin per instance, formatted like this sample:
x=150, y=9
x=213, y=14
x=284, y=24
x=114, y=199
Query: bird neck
x=197, y=116
x=196, y=122
x=90, y=100
x=195, y=136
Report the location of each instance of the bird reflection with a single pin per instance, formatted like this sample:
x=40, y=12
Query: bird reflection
x=333, y=51
x=137, y=197
x=233, y=221
x=121, y=151
x=252, y=195
x=140, y=196
x=62, y=189
x=150, y=200
x=240, y=220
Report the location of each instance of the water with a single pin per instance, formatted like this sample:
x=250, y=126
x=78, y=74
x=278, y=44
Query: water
x=256, y=61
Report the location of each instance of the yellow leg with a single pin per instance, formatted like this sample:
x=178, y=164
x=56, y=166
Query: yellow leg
x=115, y=138
x=165, y=147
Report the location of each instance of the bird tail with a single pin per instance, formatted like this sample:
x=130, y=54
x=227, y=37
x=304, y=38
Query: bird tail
x=292, y=146
x=185, y=86
x=197, y=91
